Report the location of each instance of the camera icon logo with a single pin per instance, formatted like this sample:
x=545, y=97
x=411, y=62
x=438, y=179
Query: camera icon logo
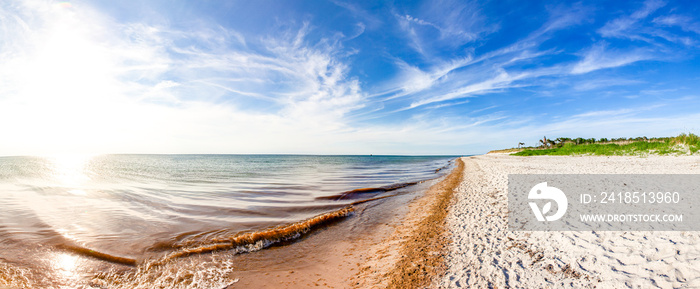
x=542, y=192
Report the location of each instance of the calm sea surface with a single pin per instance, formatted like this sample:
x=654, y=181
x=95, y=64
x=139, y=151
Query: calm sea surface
x=67, y=220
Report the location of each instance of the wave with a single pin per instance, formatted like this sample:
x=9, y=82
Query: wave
x=246, y=242
x=254, y=241
x=443, y=167
x=359, y=192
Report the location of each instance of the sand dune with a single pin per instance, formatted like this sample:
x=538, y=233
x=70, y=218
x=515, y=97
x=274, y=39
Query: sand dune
x=484, y=253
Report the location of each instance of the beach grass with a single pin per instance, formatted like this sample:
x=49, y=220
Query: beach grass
x=505, y=151
x=681, y=144
x=692, y=140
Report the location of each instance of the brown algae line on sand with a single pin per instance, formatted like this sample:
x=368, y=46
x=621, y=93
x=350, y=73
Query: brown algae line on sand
x=423, y=250
x=267, y=237
x=98, y=255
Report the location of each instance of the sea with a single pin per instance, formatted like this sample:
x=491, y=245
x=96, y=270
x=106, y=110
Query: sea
x=175, y=221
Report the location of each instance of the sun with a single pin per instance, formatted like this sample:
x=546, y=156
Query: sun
x=64, y=84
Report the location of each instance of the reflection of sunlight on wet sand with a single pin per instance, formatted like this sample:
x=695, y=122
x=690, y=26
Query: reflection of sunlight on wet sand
x=66, y=262
x=66, y=267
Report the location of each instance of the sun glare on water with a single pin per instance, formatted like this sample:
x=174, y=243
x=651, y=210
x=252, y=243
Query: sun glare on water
x=70, y=171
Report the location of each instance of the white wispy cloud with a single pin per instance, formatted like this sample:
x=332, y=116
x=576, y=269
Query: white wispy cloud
x=684, y=22
x=562, y=17
x=628, y=26
x=359, y=30
x=411, y=34
x=466, y=75
x=368, y=19
x=307, y=80
x=459, y=22
x=412, y=79
x=447, y=104
x=444, y=23
x=639, y=26
x=97, y=83
x=597, y=83
x=499, y=81
x=600, y=57
x=410, y=18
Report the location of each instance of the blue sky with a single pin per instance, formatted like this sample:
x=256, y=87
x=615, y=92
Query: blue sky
x=337, y=77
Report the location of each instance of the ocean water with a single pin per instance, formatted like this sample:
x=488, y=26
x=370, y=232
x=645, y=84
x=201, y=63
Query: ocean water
x=134, y=221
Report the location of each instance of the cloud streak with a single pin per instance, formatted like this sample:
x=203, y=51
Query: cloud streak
x=598, y=57
x=626, y=26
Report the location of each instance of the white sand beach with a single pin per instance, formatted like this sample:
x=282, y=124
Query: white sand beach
x=483, y=253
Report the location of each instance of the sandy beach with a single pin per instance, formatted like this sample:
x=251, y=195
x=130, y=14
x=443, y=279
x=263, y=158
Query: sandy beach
x=483, y=253
x=396, y=242
x=450, y=232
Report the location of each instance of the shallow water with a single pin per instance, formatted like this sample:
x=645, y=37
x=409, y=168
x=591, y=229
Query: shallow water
x=109, y=219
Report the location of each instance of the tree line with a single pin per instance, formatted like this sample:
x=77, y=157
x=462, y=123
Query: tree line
x=561, y=141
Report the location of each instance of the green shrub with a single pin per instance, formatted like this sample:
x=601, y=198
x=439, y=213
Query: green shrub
x=640, y=146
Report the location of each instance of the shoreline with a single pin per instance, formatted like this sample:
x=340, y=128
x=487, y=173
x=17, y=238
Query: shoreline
x=416, y=248
x=361, y=251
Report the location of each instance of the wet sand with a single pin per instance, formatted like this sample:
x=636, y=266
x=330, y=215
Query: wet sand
x=413, y=257
x=394, y=242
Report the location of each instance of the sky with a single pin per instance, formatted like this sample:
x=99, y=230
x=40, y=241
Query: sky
x=341, y=77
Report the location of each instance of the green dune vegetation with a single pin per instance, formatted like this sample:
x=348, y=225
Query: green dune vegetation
x=681, y=144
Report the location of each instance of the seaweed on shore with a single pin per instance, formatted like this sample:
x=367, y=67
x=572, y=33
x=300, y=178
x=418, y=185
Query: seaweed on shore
x=422, y=257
